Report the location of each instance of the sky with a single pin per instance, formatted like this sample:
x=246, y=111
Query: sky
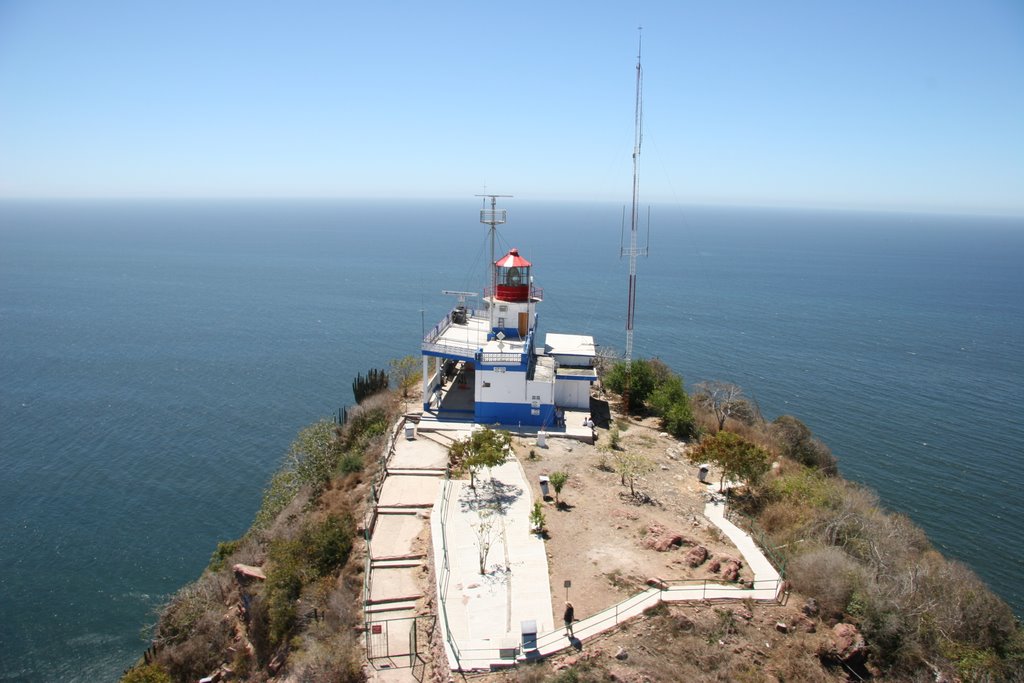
x=909, y=105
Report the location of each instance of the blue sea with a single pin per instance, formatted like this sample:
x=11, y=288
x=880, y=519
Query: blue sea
x=157, y=357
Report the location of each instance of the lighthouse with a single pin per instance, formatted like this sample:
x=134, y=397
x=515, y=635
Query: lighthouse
x=513, y=297
x=485, y=366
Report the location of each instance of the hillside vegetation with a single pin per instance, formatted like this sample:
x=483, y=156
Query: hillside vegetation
x=922, y=616
x=849, y=563
x=303, y=618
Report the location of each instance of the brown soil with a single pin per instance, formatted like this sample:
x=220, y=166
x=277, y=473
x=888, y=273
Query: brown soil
x=596, y=536
x=597, y=540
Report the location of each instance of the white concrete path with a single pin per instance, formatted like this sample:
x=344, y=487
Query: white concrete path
x=483, y=613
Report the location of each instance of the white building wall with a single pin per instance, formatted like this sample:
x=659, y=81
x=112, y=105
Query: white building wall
x=505, y=387
x=572, y=394
x=545, y=390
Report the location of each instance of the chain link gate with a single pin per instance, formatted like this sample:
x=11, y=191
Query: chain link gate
x=395, y=643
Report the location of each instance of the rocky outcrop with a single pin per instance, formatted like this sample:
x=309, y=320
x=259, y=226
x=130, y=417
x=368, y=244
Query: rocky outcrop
x=696, y=556
x=846, y=647
x=660, y=539
x=731, y=570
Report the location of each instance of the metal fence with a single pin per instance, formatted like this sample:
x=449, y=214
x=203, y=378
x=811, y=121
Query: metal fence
x=750, y=525
x=370, y=518
x=444, y=572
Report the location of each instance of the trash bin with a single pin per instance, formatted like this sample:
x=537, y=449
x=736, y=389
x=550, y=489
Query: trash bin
x=542, y=439
x=544, y=485
x=410, y=431
x=529, y=631
x=702, y=473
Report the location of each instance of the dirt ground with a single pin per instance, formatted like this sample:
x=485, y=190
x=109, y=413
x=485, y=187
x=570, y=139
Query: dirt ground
x=596, y=535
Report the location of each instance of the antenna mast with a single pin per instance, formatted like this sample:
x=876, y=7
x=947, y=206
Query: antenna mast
x=634, y=251
x=492, y=217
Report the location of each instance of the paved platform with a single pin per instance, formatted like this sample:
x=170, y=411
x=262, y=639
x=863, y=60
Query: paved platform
x=483, y=612
x=417, y=453
x=407, y=491
x=393, y=535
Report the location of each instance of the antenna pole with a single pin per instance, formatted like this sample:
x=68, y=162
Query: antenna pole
x=634, y=216
x=493, y=218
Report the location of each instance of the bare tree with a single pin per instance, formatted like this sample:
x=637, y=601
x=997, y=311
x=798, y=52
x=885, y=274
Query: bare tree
x=485, y=533
x=724, y=399
x=630, y=466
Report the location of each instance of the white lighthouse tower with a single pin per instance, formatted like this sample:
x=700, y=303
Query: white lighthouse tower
x=485, y=367
x=513, y=297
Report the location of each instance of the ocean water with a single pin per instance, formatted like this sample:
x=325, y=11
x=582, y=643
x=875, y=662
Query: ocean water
x=156, y=359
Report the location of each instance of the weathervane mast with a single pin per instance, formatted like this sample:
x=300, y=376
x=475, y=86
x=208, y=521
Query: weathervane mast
x=634, y=251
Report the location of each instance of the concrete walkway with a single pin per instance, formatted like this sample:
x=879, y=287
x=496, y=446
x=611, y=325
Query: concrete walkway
x=483, y=613
x=412, y=475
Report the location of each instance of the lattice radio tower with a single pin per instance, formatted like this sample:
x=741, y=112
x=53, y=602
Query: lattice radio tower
x=633, y=251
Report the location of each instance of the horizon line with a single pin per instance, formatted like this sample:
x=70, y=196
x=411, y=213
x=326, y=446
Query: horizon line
x=737, y=204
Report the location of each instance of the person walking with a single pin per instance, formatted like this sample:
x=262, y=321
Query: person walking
x=569, y=617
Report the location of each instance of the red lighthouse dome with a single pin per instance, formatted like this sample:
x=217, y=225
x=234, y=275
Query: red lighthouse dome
x=512, y=278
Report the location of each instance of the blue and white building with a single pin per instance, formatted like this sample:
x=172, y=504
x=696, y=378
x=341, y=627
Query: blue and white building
x=486, y=366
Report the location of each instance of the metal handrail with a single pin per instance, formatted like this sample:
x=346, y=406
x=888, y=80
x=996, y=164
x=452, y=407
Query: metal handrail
x=445, y=574
x=370, y=519
x=777, y=557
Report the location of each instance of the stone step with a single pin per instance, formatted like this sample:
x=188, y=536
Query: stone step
x=416, y=471
x=390, y=610
x=396, y=599
x=404, y=556
x=394, y=604
x=395, y=563
x=410, y=509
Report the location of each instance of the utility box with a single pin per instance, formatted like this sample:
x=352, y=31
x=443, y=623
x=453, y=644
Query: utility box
x=508, y=648
x=410, y=431
x=702, y=473
x=545, y=485
x=529, y=630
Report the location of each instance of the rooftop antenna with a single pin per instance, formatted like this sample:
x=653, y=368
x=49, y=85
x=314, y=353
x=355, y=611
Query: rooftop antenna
x=634, y=251
x=492, y=217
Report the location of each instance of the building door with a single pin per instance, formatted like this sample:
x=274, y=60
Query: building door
x=523, y=319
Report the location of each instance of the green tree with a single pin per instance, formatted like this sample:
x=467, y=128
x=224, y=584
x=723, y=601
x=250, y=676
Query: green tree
x=406, y=373
x=634, y=381
x=537, y=520
x=670, y=402
x=737, y=457
x=151, y=673
x=795, y=441
x=315, y=453
x=558, y=480
x=483, y=448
